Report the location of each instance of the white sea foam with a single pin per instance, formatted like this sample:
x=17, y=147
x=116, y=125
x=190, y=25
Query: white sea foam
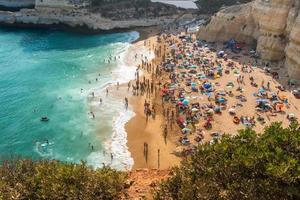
x=117, y=143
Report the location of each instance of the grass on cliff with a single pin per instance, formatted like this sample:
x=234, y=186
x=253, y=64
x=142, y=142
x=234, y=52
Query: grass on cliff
x=53, y=180
x=248, y=166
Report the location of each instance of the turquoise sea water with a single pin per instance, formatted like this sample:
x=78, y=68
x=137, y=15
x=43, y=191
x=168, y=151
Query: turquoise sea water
x=41, y=74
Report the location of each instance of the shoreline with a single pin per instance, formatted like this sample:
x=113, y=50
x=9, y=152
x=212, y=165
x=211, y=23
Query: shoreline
x=137, y=131
x=140, y=132
x=83, y=29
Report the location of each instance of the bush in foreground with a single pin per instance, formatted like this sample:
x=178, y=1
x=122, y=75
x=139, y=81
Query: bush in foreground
x=247, y=166
x=27, y=179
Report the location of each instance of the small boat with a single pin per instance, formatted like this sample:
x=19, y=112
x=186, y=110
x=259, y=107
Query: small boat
x=44, y=119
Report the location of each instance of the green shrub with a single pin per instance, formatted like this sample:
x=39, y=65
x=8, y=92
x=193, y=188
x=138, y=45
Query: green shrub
x=27, y=179
x=212, y=6
x=248, y=166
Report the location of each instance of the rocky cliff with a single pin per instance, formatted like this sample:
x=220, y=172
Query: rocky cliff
x=273, y=24
x=119, y=15
x=75, y=19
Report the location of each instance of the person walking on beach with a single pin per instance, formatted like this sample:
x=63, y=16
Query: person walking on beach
x=111, y=157
x=129, y=84
x=146, y=151
x=165, y=133
x=126, y=103
x=106, y=91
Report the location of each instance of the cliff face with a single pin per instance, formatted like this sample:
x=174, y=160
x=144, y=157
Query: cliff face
x=75, y=13
x=75, y=18
x=274, y=24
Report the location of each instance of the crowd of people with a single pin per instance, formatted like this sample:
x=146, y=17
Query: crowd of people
x=205, y=90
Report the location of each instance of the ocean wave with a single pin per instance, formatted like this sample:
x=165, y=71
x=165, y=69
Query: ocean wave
x=116, y=145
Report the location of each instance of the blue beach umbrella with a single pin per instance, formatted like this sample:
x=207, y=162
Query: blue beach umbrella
x=185, y=102
x=261, y=90
x=207, y=85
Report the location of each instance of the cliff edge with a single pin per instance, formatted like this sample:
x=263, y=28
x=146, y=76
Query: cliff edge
x=273, y=24
x=103, y=17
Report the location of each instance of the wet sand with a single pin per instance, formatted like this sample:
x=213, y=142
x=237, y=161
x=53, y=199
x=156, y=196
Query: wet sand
x=139, y=131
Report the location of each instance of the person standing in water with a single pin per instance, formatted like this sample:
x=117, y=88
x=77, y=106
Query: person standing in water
x=129, y=84
x=106, y=91
x=111, y=157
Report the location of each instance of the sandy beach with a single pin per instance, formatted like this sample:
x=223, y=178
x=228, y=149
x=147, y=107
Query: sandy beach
x=139, y=131
x=249, y=95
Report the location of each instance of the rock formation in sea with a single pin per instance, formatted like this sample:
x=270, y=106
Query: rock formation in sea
x=273, y=24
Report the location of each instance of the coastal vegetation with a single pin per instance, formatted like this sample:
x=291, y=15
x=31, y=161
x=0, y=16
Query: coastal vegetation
x=28, y=179
x=246, y=166
x=131, y=9
x=249, y=165
x=213, y=6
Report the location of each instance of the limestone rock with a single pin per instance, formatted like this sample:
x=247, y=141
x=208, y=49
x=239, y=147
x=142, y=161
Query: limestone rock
x=273, y=24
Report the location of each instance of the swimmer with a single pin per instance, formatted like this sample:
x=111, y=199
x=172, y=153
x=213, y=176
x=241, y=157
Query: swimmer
x=93, y=115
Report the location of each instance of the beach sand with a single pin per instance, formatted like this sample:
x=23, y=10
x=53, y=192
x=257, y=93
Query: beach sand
x=140, y=132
